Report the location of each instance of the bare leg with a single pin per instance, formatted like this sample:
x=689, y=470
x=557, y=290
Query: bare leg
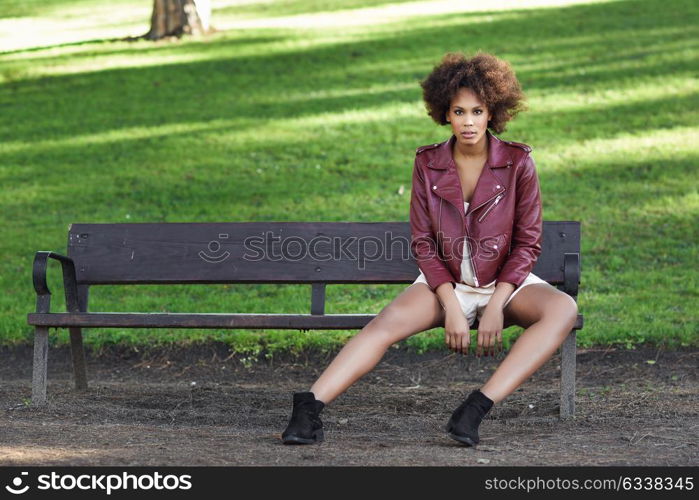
x=548, y=316
x=416, y=309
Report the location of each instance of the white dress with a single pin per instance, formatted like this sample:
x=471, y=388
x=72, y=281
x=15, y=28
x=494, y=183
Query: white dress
x=466, y=269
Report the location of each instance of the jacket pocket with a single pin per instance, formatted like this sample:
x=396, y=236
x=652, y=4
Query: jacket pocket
x=494, y=247
x=490, y=207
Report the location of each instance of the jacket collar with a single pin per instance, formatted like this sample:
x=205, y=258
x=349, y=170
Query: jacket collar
x=489, y=185
x=499, y=155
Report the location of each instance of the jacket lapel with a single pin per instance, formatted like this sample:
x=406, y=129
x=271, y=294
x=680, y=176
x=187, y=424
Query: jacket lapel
x=489, y=184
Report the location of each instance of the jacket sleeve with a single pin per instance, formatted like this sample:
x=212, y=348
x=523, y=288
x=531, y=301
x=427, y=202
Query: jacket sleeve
x=527, y=228
x=423, y=243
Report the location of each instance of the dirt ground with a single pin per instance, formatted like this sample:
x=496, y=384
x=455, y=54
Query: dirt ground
x=202, y=406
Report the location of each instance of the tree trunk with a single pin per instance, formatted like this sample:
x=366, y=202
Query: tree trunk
x=179, y=17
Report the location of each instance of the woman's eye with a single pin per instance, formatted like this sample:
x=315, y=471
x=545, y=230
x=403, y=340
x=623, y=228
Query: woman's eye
x=458, y=112
x=478, y=111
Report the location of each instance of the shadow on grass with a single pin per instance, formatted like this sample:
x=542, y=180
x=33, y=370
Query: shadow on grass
x=272, y=86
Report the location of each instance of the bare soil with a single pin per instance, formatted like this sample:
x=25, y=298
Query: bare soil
x=203, y=406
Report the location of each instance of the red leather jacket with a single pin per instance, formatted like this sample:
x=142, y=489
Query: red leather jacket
x=503, y=225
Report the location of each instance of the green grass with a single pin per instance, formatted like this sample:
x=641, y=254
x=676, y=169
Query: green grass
x=321, y=124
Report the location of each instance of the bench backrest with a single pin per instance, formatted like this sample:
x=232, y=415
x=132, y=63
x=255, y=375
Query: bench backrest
x=269, y=252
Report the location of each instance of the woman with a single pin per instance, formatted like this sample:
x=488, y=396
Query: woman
x=475, y=216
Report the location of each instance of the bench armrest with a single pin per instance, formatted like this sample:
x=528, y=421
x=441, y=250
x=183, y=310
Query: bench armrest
x=70, y=282
x=571, y=274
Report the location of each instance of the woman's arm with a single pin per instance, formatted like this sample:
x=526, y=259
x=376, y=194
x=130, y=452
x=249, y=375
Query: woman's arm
x=527, y=227
x=447, y=296
x=440, y=280
x=423, y=244
x=525, y=249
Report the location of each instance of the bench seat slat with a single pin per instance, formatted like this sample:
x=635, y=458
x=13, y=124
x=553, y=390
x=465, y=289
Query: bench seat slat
x=208, y=320
x=199, y=320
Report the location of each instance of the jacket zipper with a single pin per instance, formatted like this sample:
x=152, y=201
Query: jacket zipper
x=473, y=209
x=470, y=258
x=492, y=205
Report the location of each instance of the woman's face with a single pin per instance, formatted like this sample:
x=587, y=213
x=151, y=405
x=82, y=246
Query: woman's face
x=468, y=117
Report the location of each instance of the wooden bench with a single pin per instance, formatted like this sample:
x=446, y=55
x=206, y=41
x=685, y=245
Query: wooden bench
x=317, y=253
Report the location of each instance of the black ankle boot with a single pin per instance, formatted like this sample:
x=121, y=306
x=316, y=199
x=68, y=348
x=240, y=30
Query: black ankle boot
x=305, y=426
x=464, y=422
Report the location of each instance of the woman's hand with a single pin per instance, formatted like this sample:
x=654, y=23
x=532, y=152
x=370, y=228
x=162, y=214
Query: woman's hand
x=490, y=331
x=457, y=331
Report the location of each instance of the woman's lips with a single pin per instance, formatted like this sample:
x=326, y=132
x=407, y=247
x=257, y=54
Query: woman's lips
x=468, y=134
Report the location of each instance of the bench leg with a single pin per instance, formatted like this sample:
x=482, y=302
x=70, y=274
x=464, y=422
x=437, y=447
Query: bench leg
x=41, y=351
x=568, y=376
x=78, y=354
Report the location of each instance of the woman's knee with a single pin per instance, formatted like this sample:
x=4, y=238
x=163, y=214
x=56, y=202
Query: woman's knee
x=563, y=308
x=399, y=320
x=388, y=327
x=381, y=337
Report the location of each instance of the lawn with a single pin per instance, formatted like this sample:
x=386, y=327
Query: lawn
x=303, y=110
